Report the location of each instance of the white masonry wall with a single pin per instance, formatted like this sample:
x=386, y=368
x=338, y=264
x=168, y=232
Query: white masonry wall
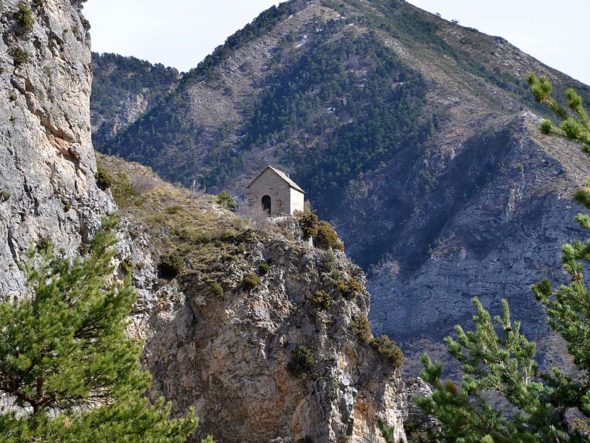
x=275, y=187
x=297, y=201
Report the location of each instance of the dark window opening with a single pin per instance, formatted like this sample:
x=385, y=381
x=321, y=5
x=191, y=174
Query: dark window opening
x=266, y=204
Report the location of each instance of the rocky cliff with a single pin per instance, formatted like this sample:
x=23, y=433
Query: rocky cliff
x=47, y=164
x=415, y=136
x=266, y=336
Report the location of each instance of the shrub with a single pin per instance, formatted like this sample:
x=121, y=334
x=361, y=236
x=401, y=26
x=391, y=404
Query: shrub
x=321, y=299
x=323, y=234
x=308, y=223
x=302, y=361
x=44, y=244
x=103, y=180
x=361, y=328
x=327, y=237
x=217, y=290
x=86, y=24
x=388, y=432
x=20, y=56
x=170, y=266
x=388, y=350
x=225, y=199
x=350, y=288
x=4, y=196
x=24, y=15
x=264, y=268
x=250, y=281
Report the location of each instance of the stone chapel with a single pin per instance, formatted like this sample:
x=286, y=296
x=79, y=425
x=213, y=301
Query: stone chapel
x=275, y=193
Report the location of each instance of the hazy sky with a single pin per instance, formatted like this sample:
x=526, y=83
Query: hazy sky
x=181, y=33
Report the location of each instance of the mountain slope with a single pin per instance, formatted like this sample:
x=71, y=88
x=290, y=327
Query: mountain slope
x=415, y=136
x=124, y=88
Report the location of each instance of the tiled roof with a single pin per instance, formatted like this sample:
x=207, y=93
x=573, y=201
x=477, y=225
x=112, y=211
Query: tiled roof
x=283, y=176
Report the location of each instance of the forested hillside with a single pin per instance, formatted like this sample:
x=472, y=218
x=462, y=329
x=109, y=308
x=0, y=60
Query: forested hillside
x=124, y=88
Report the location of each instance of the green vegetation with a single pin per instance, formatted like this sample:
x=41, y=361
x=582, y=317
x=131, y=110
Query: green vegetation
x=250, y=281
x=4, y=196
x=103, y=179
x=575, y=123
x=170, y=266
x=361, y=327
x=388, y=350
x=264, y=23
x=302, y=361
x=226, y=200
x=25, y=18
x=20, y=56
x=217, y=290
x=322, y=299
x=263, y=268
x=323, y=234
x=116, y=77
x=497, y=358
x=67, y=362
x=387, y=432
x=350, y=288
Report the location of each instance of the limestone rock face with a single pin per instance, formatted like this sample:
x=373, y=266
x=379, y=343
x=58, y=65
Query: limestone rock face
x=228, y=356
x=228, y=348
x=47, y=164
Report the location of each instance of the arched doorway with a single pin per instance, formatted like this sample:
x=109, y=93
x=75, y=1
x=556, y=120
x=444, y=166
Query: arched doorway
x=266, y=204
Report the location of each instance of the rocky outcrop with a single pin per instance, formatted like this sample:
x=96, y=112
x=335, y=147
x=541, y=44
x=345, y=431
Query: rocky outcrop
x=229, y=356
x=264, y=335
x=47, y=164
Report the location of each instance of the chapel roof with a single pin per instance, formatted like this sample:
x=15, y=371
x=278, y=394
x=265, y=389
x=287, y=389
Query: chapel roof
x=282, y=175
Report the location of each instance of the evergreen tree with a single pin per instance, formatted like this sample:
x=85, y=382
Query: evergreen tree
x=68, y=370
x=498, y=359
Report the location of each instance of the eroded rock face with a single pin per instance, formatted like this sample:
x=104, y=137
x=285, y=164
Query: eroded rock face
x=228, y=355
x=228, y=349
x=47, y=164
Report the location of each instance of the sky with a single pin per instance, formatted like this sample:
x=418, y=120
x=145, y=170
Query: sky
x=181, y=33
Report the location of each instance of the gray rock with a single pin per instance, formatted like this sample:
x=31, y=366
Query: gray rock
x=47, y=162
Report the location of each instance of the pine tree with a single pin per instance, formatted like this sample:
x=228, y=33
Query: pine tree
x=498, y=359
x=68, y=370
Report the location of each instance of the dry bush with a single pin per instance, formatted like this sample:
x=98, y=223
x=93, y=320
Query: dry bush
x=257, y=216
x=143, y=183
